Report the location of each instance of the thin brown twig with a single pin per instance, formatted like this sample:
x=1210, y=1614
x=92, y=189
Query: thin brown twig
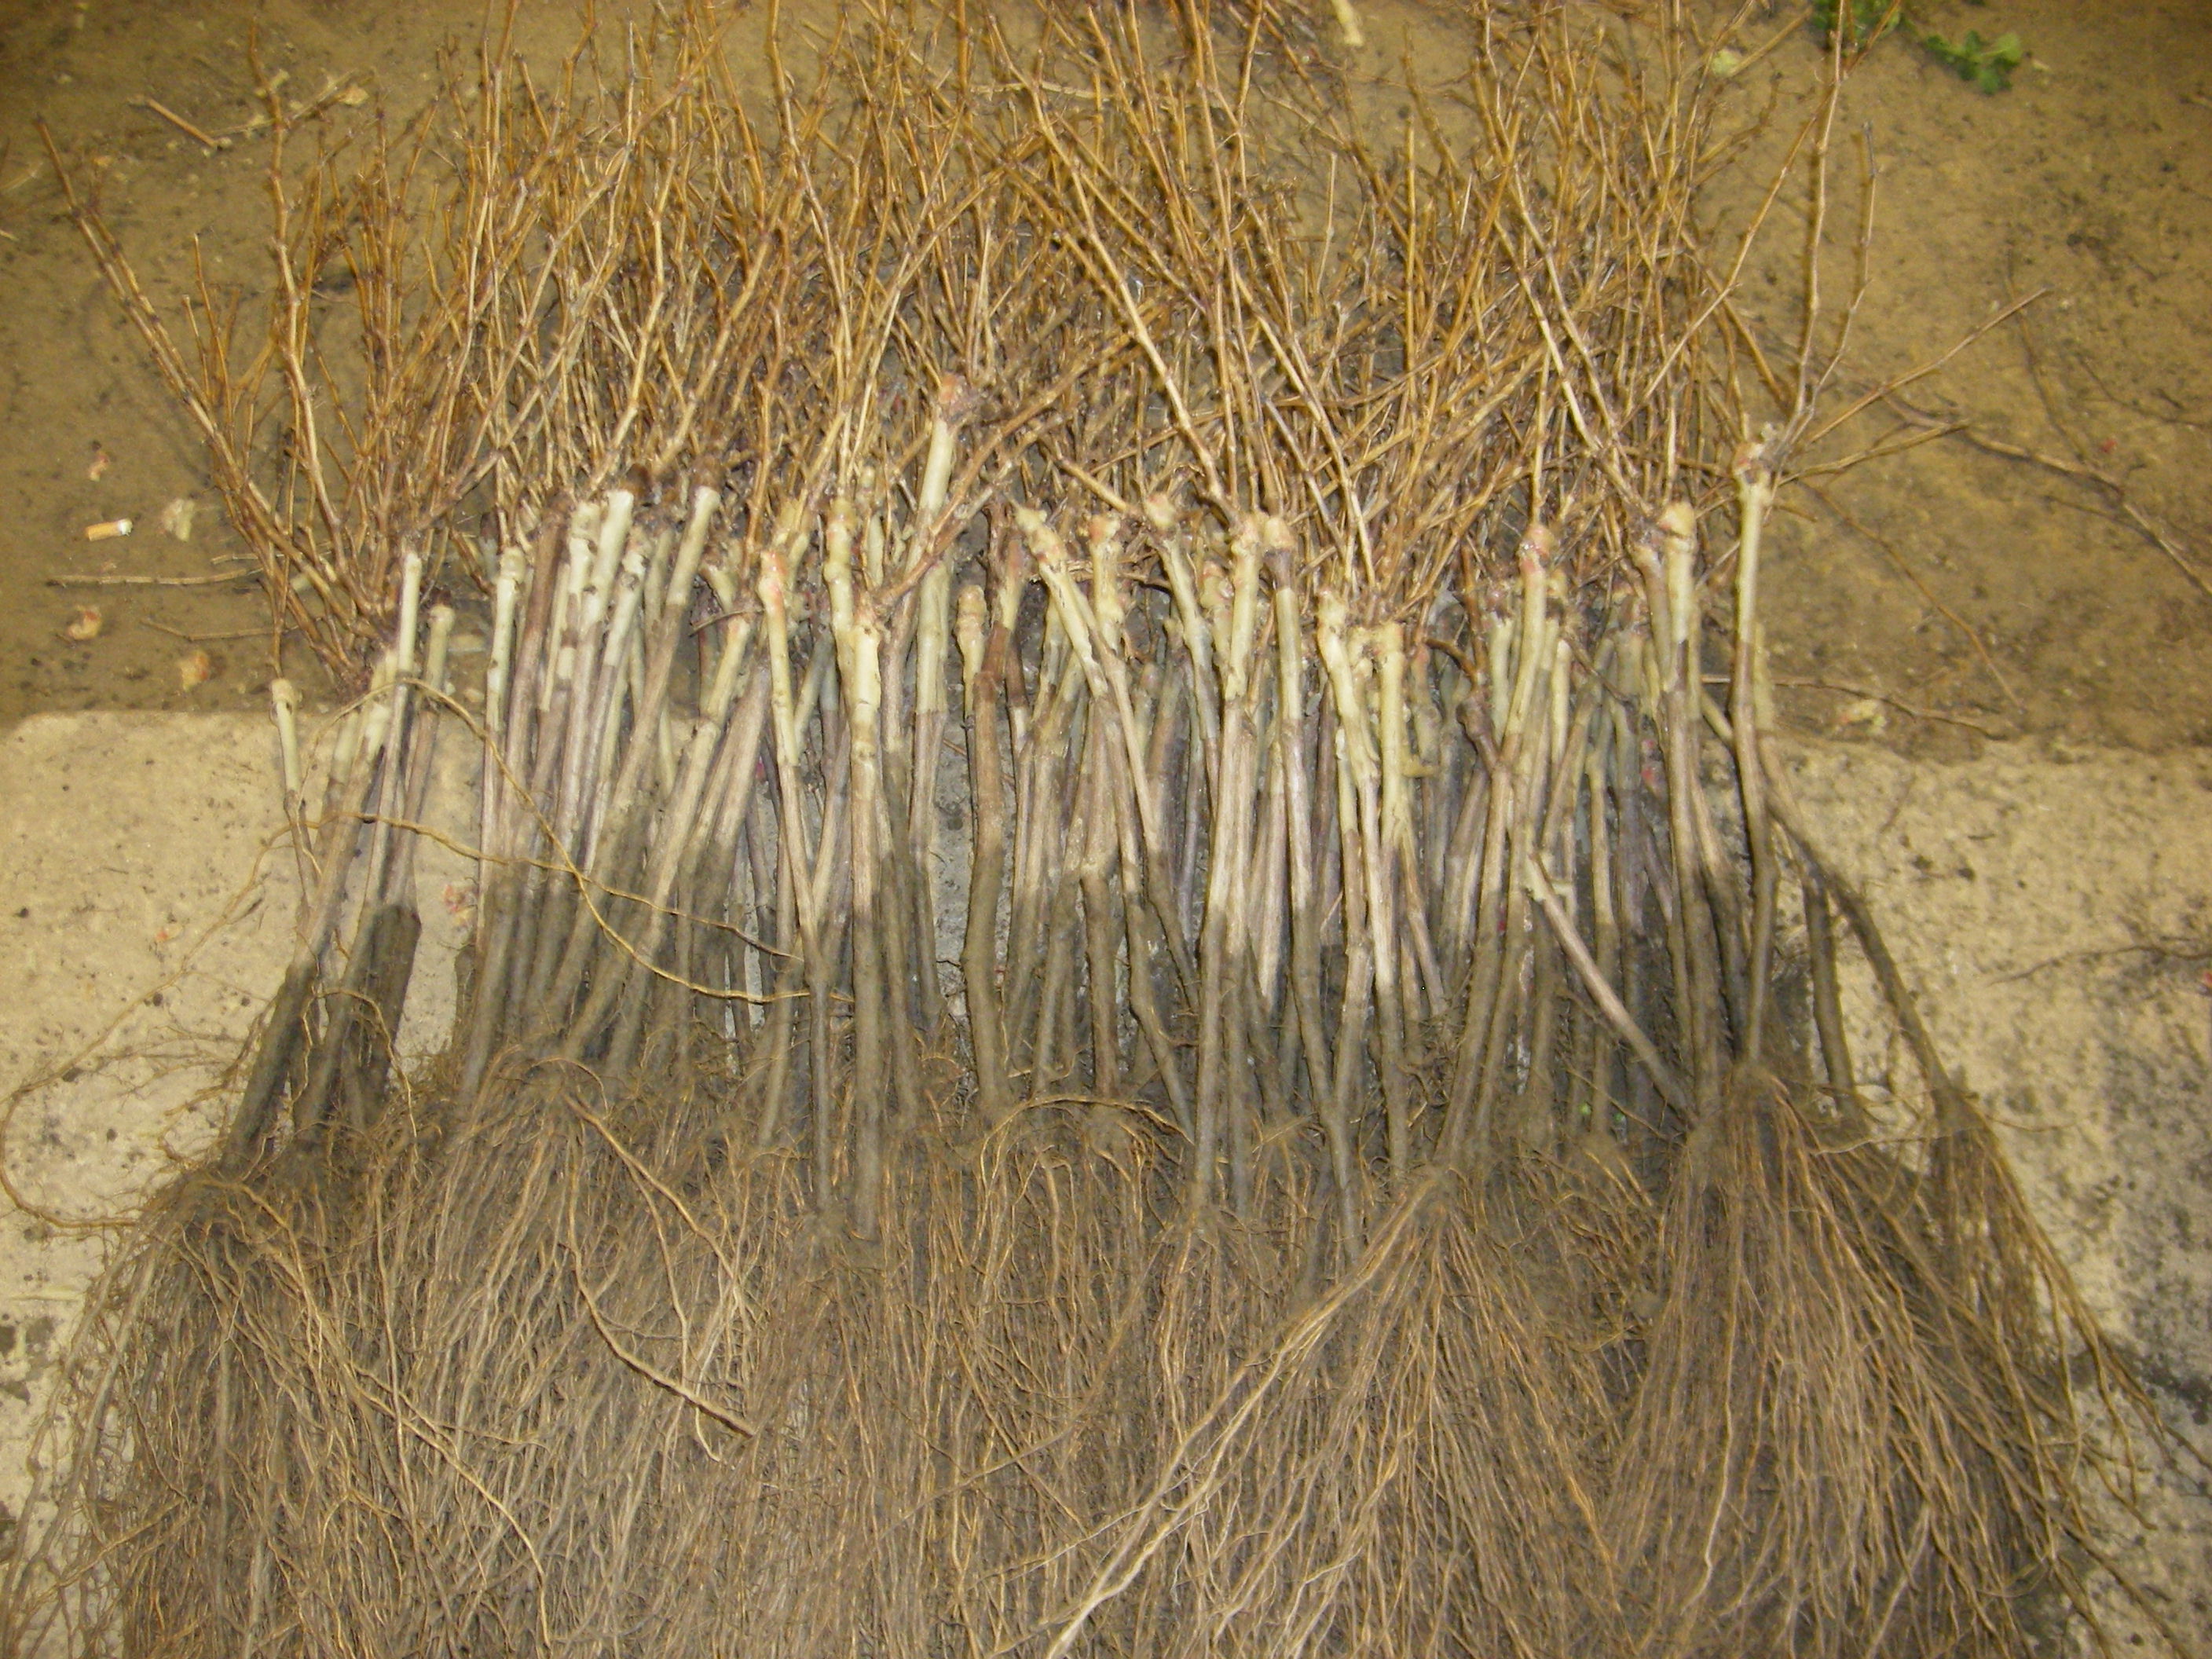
x=82, y=579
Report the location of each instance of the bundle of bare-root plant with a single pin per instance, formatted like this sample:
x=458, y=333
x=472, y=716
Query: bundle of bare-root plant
x=1142, y=983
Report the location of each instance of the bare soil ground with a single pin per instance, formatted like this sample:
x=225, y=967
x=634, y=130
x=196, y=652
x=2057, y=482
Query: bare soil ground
x=2089, y=183
x=1945, y=595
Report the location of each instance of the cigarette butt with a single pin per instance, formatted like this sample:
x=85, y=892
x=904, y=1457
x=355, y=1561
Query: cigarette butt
x=107, y=531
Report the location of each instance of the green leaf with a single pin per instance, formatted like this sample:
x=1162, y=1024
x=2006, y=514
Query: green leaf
x=1862, y=22
x=1987, y=64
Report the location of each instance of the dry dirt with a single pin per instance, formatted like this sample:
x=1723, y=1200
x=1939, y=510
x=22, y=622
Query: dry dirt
x=2008, y=593
x=1978, y=595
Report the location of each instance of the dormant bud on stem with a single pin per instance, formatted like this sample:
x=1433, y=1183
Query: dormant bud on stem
x=284, y=703
x=411, y=602
x=614, y=531
x=967, y=628
x=1109, y=610
x=506, y=594
x=1678, y=541
x=956, y=401
x=704, y=502
x=1243, y=603
x=1330, y=621
x=441, y=641
x=1387, y=641
x=1217, y=596
x=1068, y=609
x=837, y=577
x=1754, y=487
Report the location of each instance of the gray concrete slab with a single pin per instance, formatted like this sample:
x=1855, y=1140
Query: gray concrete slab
x=2054, y=915
x=147, y=900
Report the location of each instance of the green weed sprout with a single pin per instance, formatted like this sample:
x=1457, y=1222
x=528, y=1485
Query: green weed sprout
x=1987, y=65
x=1984, y=64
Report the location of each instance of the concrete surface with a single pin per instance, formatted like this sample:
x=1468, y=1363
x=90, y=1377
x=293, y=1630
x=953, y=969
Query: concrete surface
x=2054, y=913
x=148, y=895
x=2054, y=916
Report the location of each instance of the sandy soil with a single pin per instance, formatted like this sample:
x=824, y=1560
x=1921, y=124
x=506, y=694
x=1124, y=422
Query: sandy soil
x=1980, y=595
x=81, y=396
x=2089, y=183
